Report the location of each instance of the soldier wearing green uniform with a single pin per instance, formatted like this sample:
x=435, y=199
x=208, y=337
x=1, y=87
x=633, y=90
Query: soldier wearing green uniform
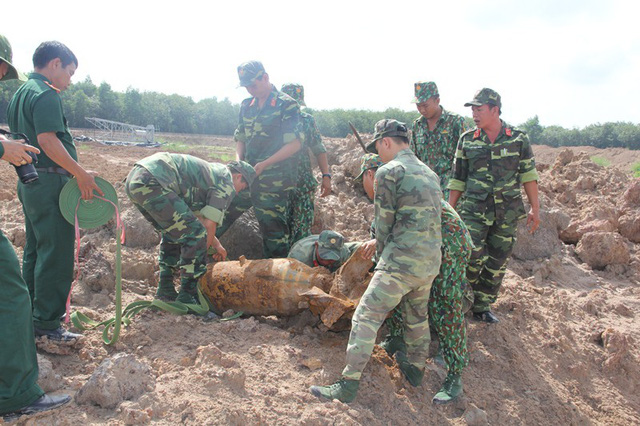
x=36, y=111
x=446, y=312
x=326, y=249
x=268, y=135
x=435, y=133
x=408, y=240
x=185, y=199
x=491, y=163
x=301, y=203
x=19, y=390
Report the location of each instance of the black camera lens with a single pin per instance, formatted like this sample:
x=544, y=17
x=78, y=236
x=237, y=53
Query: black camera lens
x=27, y=172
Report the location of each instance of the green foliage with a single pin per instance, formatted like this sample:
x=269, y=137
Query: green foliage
x=607, y=135
x=600, y=161
x=635, y=169
x=335, y=122
x=181, y=114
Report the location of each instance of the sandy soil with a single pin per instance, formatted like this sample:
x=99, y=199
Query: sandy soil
x=565, y=352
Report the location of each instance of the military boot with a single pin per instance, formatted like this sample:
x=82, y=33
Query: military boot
x=166, y=291
x=393, y=344
x=412, y=373
x=188, y=295
x=450, y=390
x=344, y=390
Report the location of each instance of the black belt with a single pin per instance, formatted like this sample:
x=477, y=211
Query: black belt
x=57, y=170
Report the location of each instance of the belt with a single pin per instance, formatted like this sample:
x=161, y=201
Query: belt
x=57, y=170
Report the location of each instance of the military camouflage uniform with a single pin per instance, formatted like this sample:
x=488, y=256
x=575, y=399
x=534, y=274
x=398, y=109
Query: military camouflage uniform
x=264, y=132
x=437, y=148
x=408, y=235
x=170, y=190
x=302, y=198
x=305, y=251
x=450, y=293
x=489, y=175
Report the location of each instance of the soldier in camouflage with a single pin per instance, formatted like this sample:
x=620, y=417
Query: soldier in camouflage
x=185, y=199
x=449, y=294
x=301, y=202
x=436, y=132
x=408, y=240
x=268, y=136
x=491, y=162
x=326, y=249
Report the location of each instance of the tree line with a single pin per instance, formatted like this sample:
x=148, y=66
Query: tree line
x=181, y=114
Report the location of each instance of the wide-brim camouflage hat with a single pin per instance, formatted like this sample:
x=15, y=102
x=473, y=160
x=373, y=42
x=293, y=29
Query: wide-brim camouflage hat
x=245, y=169
x=369, y=161
x=296, y=91
x=330, y=245
x=6, y=55
x=424, y=90
x=248, y=72
x=485, y=96
x=386, y=128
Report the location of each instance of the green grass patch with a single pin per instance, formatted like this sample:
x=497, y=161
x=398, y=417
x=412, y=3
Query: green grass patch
x=635, y=169
x=601, y=161
x=176, y=146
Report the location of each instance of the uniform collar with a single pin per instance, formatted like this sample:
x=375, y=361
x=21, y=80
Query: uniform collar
x=271, y=99
x=38, y=76
x=505, y=130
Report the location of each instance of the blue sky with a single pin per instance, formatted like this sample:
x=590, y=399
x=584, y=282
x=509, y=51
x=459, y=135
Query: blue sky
x=572, y=63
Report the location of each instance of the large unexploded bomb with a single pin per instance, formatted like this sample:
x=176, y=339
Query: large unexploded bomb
x=286, y=287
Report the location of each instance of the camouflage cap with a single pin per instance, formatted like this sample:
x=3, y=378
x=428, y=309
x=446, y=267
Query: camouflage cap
x=330, y=245
x=424, y=90
x=369, y=161
x=245, y=169
x=6, y=55
x=385, y=128
x=485, y=96
x=248, y=72
x=296, y=91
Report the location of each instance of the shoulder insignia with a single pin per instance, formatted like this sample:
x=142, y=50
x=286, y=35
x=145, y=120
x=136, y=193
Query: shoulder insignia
x=508, y=132
x=52, y=86
x=273, y=102
x=476, y=134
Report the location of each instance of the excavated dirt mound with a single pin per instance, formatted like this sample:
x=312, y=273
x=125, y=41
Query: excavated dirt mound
x=565, y=352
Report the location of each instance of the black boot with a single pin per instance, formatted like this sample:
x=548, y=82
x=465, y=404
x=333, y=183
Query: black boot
x=44, y=403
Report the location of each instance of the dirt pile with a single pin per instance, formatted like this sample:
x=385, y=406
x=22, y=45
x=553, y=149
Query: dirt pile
x=565, y=352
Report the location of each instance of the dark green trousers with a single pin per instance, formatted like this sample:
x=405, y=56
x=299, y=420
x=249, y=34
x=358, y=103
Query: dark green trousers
x=47, y=264
x=18, y=362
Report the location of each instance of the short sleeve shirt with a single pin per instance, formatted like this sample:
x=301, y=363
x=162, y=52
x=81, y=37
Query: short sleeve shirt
x=437, y=148
x=266, y=130
x=36, y=108
x=207, y=188
x=490, y=174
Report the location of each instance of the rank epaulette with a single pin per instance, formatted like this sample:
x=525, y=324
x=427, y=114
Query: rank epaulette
x=52, y=86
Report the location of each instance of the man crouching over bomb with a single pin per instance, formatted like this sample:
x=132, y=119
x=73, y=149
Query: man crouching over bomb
x=185, y=199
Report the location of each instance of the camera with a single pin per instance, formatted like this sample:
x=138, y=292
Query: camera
x=26, y=172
